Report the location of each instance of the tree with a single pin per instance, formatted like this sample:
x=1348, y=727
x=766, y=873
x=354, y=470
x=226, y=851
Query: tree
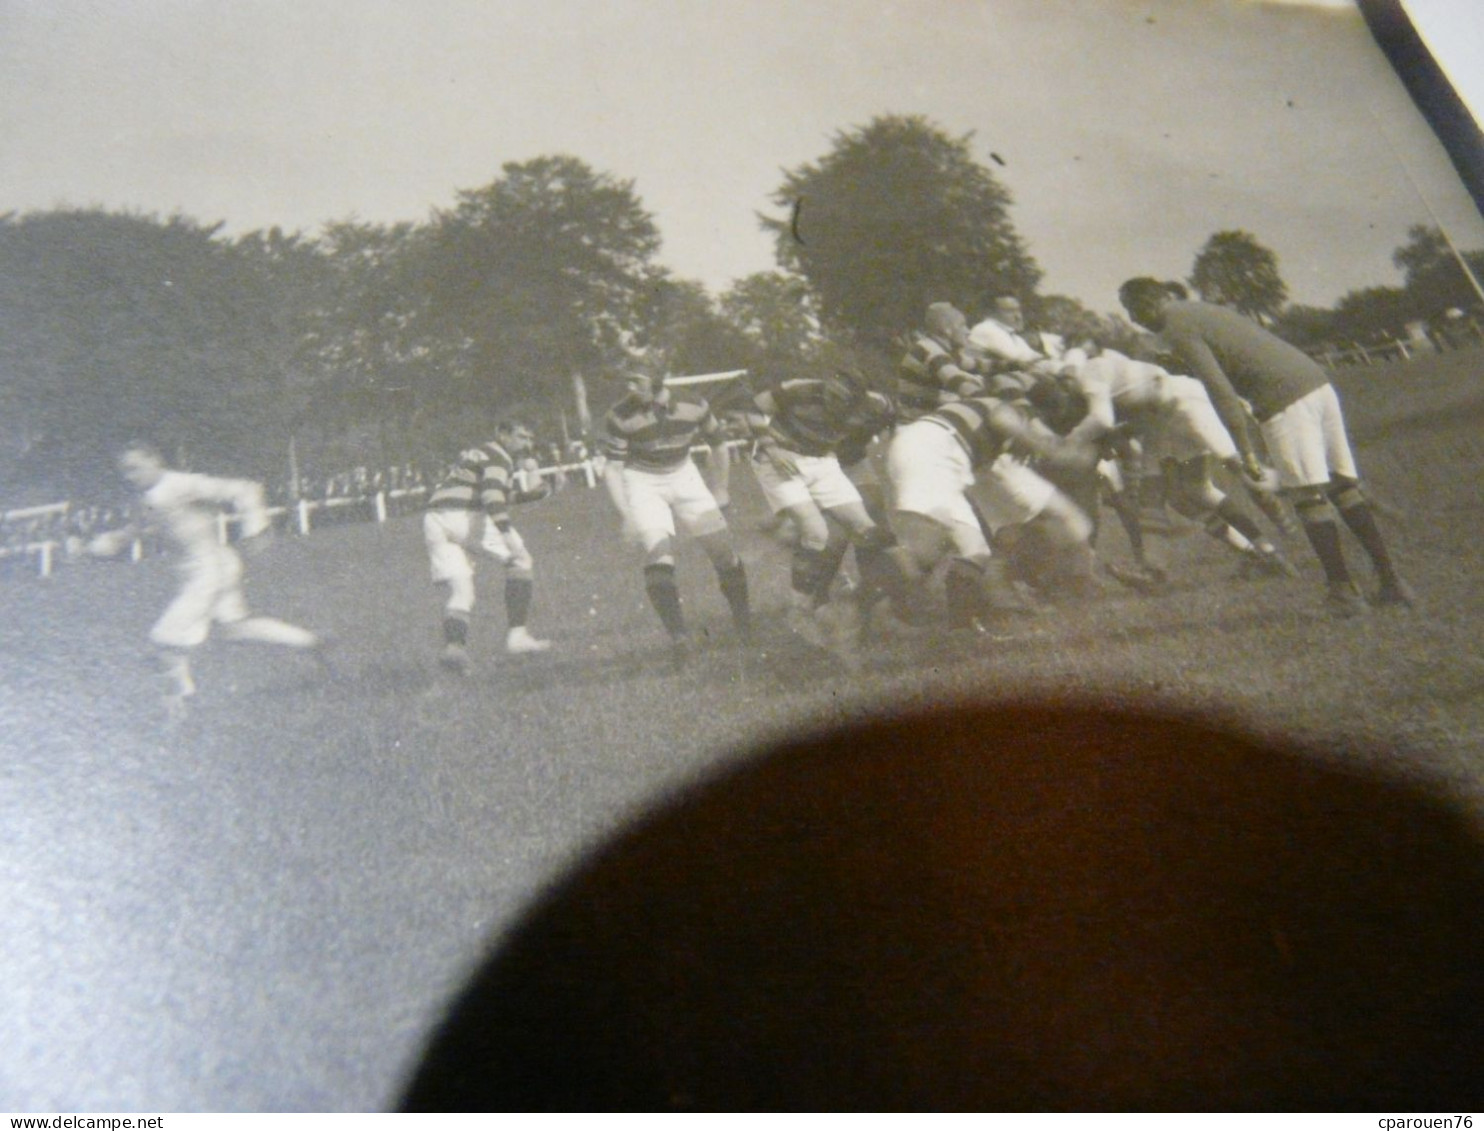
x=1074, y=323
x=681, y=329
x=1233, y=268
x=535, y=277
x=1432, y=273
x=1373, y=314
x=898, y=215
x=1308, y=327
x=776, y=314
x=116, y=327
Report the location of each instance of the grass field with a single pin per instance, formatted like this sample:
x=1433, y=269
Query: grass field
x=266, y=908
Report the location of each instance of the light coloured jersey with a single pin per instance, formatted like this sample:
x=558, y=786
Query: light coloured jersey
x=185, y=505
x=1005, y=347
x=1173, y=410
x=1133, y=388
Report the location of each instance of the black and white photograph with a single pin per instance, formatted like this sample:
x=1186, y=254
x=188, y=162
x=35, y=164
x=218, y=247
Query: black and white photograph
x=913, y=555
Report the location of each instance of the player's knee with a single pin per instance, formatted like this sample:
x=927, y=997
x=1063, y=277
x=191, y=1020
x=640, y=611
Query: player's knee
x=1345, y=493
x=1065, y=522
x=460, y=595
x=661, y=553
x=874, y=537
x=1311, y=504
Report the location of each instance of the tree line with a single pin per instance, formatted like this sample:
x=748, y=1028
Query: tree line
x=393, y=342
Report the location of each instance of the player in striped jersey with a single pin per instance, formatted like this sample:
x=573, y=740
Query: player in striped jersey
x=483, y=482
x=934, y=370
x=801, y=425
x=934, y=464
x=655, y=485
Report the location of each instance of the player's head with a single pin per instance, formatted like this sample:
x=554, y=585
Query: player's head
x=1058, y=401
x=515, y=436
x=1145, y=299
x=643, y=382
x=141, y=464
x=844, y=388
x=1007, y=310
x=946, y=321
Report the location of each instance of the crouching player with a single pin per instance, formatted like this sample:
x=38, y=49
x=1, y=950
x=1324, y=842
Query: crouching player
x=483, y=481
x=933, y=463
x=800, y=424
x=1179, y=434
x=184, y=507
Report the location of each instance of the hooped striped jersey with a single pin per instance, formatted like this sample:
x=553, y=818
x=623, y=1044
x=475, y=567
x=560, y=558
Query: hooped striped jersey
x=482, y=480
x=800, y=416
x=985, y=426
x=657, y=436
x=930, y=374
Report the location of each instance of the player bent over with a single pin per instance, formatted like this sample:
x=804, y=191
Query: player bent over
x=184, y=507
x=483, y=482
x=933, y=463
x=655, y=485
x=1298, y=413
x=1166, y=422
x=801, y=425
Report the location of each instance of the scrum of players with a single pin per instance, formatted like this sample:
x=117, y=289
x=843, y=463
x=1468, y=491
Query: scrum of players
x=970, y=494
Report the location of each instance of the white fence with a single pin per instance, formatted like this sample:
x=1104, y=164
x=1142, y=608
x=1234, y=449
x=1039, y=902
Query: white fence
x=299, y=515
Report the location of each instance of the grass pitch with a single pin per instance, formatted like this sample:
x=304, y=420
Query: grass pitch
x=266, y=908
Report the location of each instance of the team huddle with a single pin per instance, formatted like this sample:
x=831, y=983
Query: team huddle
x=995, y=447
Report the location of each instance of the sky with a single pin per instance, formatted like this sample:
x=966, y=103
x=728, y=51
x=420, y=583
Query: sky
x=1127, y=131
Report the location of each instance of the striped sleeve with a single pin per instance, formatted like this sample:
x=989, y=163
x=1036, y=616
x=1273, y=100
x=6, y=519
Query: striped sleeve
x=495, y=477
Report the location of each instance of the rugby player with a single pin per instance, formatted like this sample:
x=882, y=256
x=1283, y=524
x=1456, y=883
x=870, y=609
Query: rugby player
x=1178, y=432
x=656, y=486
x=1002, y=352
x=800, y=425
x=934, y=371
x=484, y=481
x=184, y=507
x=935, y=461
x=1298, y=413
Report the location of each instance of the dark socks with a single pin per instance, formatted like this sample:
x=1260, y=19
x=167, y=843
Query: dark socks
x=659, y=583
x=517, y=600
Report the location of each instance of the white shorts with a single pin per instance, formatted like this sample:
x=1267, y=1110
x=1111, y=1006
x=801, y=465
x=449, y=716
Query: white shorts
x=211, y=593
x=1307, y=441
x=1189, y=426
x=1010, y=493
x=658, y=500
x=930, y=473
x=449, y=534
x=820, y=482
